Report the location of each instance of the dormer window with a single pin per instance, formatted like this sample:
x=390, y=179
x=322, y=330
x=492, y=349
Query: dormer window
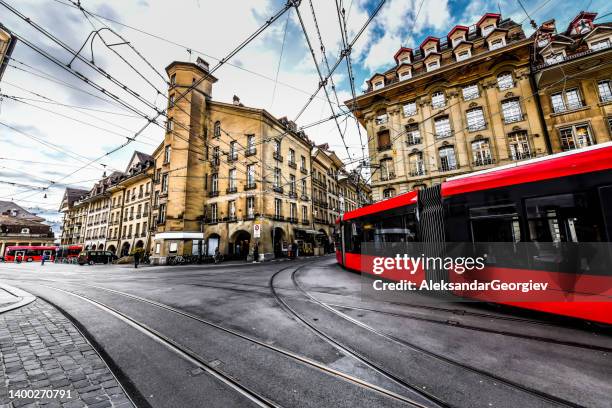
x=584, y=26
x=457, y=40
x=405, y=75
x=497, y=43
x=405, y=60
x=433, y=65
x=543, y=42
x=488, y=29
x=463, y=55
x=379, y=84
x=429, y=50
x=554, y=58
x=600, y=45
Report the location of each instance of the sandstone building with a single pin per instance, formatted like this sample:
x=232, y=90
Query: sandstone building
x=477, y=99
x=20, y=227
x=226, y=177
x=573, y=73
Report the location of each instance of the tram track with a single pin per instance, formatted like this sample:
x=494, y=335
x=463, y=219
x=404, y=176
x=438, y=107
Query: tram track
x=347, y=350
x=441, y=321
x=181, y=351
x=477, y=328
x=536, y=393
x=299, y=358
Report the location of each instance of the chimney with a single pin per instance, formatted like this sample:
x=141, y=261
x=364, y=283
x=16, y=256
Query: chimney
x=202, y=64
x=236, y=100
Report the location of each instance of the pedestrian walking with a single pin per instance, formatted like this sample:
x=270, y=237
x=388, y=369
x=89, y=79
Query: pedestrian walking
x=42, y=259
x=217, y=255
x=136, y=259
x=256, y=253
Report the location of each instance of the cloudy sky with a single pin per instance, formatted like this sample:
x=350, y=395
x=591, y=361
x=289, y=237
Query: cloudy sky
x=60, y=123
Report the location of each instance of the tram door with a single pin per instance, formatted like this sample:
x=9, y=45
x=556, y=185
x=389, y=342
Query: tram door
x=47, y=254
x=20, y=254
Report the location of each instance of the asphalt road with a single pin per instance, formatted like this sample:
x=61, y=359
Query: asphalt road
x=300, y=334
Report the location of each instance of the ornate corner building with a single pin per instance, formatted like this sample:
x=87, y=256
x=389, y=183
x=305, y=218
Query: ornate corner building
x=226, y=177
x=482, y=97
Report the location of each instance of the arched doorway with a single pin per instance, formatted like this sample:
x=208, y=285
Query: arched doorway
x=241, y=242
x=112, y=249
x=278, y=236
x=212, y=243
x=139, y=244
x=101, y=247
x=125, y=249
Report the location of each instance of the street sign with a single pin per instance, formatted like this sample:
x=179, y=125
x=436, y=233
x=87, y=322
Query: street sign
x=257, y=230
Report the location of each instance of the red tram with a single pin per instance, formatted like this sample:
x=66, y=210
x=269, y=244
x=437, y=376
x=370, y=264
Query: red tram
x=29, y=253
x=559, y=207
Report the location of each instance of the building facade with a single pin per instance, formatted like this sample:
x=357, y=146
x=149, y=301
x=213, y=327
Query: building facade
x=75, y=216
x=20, y=227
x=226, y=177
x=453, y=105
x=573, y=73
x=130, y=207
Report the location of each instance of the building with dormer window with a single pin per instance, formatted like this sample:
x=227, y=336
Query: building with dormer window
x=452, y=105
x=572, y=73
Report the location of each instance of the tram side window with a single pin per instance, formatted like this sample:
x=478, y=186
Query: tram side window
x=495, y=224
x=561, y=218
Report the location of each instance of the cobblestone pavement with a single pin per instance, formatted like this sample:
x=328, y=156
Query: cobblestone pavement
x=40, y=349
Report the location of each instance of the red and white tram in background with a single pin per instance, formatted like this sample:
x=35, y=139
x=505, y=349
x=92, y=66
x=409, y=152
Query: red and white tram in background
x=561, y=199
x=29, y=253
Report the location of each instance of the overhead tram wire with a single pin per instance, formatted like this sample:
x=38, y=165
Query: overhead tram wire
x=187, y=48
x=280, y=59
x=262, y=28
x=339, y=60
x=323, y=82
x=43, y=75
x=347, y=52
x=18, y=99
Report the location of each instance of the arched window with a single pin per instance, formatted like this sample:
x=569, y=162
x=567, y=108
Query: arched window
x=388, y=193
x=416, y=164
x=217, y=131
x=384, y=140
x=448, y=160
x=505, y=81
x=438, y=99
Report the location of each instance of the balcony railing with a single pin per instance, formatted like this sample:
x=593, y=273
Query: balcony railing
x=278, y=217
x=483, y=161
x=304, y=170
x=278, y=189
x=213, y=193
x=250, y=151
x=305, y=221
x=250, y=186
x=384, y=147
x=292, y=194
x=277, y=157
x=521, y=155
x=293, y=220
x=417, y=172
x=292, y=164
x=231, y=190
